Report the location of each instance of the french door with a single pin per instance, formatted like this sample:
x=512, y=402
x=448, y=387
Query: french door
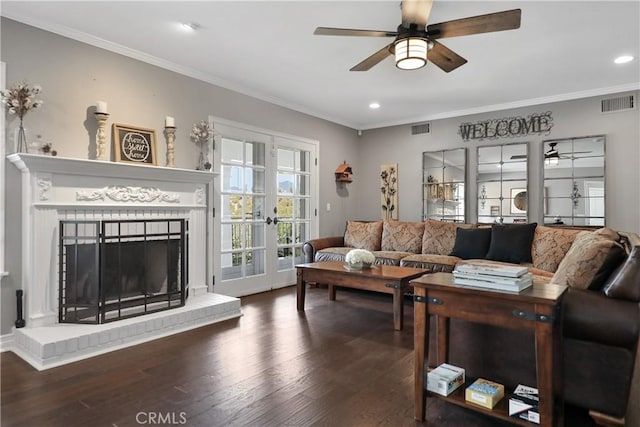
x=265, y=207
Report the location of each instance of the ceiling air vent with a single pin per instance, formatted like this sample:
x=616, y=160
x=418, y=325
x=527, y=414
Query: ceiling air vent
x=421, y=128
x=621, y=103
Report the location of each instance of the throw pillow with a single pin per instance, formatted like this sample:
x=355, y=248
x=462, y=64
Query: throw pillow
x=589, y=262
x=624, y=283
x=472, y=243
x=511, y=242
x=550, y=245
x=440, y=236
x=363, y=235
x=402, y=236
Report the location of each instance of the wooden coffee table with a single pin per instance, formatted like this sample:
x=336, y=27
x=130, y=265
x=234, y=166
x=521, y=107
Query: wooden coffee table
x=388, y=279
x=536, y=308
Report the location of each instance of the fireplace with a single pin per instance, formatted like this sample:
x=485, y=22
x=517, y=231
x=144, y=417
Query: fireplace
x=78, y=214
x=113, y=270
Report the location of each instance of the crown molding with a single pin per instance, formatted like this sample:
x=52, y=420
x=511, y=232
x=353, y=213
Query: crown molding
x=216, y=81
x=570, y=96
x=89, y=39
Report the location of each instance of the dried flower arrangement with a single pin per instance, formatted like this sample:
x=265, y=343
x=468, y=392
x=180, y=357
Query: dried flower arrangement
x=201, y=134
x=20, y=98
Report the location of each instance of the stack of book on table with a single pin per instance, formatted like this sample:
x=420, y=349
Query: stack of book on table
x=500, y=277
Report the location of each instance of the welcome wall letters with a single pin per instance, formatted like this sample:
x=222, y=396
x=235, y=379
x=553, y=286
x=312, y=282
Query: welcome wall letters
x=508, y=127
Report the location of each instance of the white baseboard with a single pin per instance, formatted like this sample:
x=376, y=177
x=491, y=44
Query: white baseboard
x=6, y=342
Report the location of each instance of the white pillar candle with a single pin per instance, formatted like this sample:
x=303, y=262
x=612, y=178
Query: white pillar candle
x=101, y=107
x=169, y=122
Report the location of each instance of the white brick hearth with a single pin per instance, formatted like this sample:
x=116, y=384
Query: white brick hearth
x=49, y=346
x=55, y=189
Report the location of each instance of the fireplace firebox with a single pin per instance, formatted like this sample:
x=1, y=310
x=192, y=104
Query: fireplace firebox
x=112, y=270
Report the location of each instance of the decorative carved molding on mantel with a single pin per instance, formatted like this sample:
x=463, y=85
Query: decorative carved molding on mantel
x=128, y=194
x=200, y=196
x=44, y=185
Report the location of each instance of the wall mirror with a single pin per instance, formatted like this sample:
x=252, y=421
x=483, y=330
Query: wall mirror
x=443, y=174
x=502, y=183
x=574, y=181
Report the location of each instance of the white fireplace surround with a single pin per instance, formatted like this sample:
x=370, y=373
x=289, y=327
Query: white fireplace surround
x=55, y=189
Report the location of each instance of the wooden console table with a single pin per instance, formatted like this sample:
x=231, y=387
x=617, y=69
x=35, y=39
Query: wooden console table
x=536, y=308
x=388, y=279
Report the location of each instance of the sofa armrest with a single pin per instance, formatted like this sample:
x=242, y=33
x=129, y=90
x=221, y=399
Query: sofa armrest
x=310, y=247
x=592, y=316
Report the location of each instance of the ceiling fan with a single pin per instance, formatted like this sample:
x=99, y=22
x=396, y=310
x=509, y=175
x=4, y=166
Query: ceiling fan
x=415, y=41
x=552, y=156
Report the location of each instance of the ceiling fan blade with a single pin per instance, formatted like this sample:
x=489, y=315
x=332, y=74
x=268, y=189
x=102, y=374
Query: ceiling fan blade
x=499, y=21
x=373, y=59
x=325, y=31
x=444, y=57
x=416, y=12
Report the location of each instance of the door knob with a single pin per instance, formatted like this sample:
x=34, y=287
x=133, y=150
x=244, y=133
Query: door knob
x=268, y=220
x=275, y=220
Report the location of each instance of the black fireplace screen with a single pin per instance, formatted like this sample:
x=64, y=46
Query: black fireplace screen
x=112, y=270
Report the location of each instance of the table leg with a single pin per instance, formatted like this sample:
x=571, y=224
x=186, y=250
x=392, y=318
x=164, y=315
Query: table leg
x=546, y=371
x=300, y=288
x=398, y=307
x=332, y=292
x=421, y=351
x=442, y=339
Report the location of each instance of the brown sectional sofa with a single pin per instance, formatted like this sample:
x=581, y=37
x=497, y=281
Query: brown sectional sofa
x=601, y=310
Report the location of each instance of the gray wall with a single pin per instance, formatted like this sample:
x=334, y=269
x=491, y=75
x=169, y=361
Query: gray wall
x=75, y=75
x=570, y=118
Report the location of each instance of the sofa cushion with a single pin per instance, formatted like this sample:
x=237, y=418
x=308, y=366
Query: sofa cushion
x=363, y=235
x=511, y=242
x=439, y=237
x=435, y=263
x=589, y=262
x=624, y=282
x=390, y=257
x=402, y=236
x=471, y=243
x=332, y=254
x=550, y=245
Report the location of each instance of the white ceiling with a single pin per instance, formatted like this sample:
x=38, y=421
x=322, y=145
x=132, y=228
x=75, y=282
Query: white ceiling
x=563, y=50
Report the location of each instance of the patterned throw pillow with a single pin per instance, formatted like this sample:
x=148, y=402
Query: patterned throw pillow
x=363, y=235
x=402, y=236
x=550, y=245
x=589, y=262
x=439, y=237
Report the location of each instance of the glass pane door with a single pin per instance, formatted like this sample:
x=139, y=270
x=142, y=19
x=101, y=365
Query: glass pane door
x=265, y=206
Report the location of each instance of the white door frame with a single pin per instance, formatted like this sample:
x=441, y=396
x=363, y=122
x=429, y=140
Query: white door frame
x=223, y=127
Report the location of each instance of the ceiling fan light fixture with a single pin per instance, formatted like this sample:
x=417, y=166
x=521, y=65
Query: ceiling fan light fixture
x=552, y=157
x=411, y=53
x=552, y=160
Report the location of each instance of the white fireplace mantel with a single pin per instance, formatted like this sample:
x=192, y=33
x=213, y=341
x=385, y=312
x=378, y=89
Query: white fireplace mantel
x=55, y=188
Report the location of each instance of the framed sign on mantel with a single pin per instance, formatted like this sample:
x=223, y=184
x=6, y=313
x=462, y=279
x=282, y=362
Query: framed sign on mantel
x=135, y=145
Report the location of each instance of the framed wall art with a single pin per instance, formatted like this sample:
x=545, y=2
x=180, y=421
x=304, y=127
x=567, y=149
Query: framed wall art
x=389, y=191
x=135, y=145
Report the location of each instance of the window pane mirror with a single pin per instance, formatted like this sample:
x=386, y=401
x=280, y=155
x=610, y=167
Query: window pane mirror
x=502, y=183
x=443, y=174
x=574, y=181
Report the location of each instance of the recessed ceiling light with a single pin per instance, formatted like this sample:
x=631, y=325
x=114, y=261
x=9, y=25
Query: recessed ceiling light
x=623, y=59
x=374, y=105
x=190, y=26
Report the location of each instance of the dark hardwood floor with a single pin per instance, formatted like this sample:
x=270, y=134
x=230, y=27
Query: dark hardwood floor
x=337, y=364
